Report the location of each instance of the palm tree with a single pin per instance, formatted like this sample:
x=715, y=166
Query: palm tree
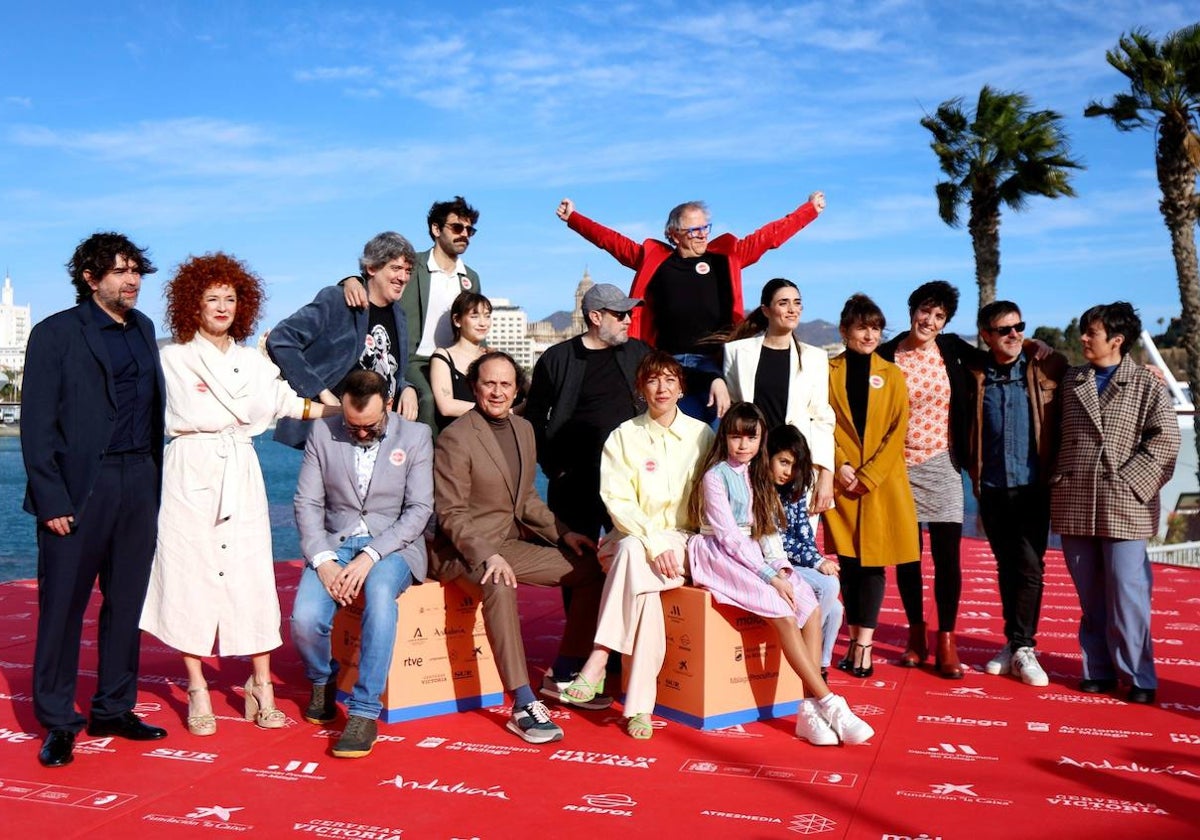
x=1164, y=82
x=1000, y=155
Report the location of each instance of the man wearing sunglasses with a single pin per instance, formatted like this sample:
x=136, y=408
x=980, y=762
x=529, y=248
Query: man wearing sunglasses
x=692, y=287
x=363, y=498
x=1013, y=443
x=439, y=276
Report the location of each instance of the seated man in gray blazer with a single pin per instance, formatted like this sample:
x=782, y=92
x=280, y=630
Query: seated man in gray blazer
x=364, y=497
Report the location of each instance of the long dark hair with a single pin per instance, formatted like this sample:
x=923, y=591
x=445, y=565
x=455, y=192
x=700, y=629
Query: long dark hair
x=787, y=438
x=765, y=510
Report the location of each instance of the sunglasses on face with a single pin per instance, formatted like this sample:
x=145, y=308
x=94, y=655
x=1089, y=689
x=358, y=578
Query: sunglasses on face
x=458, y=228
x=620, y=316
x=1018, y=327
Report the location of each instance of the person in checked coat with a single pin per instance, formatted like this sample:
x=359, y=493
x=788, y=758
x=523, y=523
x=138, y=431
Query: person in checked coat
x=1119, y=442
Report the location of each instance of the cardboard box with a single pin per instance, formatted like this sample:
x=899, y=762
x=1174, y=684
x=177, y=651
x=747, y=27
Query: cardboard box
x=441, y=661
x=723, y=665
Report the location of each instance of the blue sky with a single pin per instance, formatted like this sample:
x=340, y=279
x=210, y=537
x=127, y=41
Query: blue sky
x=288, y=134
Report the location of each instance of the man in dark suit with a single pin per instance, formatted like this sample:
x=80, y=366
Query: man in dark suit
x=363, y=499
x=495, y=532
x=92, y=441
x=320, y=343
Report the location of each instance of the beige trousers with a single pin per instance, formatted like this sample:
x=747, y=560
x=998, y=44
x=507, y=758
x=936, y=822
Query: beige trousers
x=631, y=616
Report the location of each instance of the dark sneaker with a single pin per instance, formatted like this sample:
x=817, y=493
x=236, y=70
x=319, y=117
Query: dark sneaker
x=322, y=704
x=554, y=689
x=532, y=722
x=357, y=738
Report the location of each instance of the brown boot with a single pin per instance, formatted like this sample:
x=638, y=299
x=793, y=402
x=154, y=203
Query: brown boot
x=917, y=649
x=947, y=663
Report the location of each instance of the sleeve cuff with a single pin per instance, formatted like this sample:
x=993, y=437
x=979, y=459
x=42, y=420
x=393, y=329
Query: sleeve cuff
x=322, y=557
x=372, y=553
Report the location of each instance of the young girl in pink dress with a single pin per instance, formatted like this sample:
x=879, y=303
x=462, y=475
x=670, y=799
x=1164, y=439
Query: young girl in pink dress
x=738, y=556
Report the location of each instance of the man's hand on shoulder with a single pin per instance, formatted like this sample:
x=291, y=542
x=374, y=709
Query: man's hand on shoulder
x=355, y=293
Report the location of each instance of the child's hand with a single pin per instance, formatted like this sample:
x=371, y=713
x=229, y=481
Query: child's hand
x=828, y=567
x=783, y=585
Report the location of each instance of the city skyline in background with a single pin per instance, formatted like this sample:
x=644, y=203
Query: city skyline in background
x=289, y=135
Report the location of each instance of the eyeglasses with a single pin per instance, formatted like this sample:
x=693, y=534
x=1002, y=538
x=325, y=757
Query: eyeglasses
x=459, y=227
x=1018, y=327
x=366, y=428
x=696, y=232
x=620, y=316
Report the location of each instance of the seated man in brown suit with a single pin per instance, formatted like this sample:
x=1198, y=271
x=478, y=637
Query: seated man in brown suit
x=495, y=532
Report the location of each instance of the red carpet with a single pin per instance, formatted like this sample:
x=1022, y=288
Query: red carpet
x=985, y=757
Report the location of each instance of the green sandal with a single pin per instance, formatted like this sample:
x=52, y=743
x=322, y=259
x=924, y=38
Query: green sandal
x=581, y=691
x=639, y=727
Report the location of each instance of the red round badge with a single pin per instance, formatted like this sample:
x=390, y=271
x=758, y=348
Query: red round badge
x=651, y=465
x=397, y=457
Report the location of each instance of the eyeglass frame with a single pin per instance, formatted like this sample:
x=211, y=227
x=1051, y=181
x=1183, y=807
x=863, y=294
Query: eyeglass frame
x=695, y=232
x=620, y=316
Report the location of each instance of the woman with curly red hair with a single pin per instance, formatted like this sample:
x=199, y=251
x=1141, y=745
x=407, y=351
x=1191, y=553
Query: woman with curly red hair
x=213, y=576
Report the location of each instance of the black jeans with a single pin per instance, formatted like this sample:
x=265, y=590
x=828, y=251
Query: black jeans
x=1017, y=523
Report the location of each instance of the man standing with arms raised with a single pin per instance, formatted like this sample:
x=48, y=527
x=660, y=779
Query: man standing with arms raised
x=692, y=287
x=92, y=440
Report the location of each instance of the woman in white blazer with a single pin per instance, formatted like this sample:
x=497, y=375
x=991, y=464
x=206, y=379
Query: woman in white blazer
x=767, y=365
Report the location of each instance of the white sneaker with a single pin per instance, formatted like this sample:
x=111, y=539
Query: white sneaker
x=1026, y=666
x=811, y=727
x=1001, y=663
x=849, y=727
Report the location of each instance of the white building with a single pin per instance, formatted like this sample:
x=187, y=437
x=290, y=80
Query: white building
x=15, y=323
x=509, y=332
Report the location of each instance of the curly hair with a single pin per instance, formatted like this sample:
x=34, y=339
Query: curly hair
x=98, y=254
x=199, y=274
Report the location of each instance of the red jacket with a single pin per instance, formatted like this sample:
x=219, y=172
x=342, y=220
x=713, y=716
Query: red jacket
x=645, y=259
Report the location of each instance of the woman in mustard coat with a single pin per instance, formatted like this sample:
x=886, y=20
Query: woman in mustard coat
x=873, y=522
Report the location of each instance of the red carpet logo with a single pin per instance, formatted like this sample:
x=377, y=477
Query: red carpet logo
x=182, y=755
x=218, y=811
x=613, y=804
x=291, y=771
x=606, y=759
x=341, y=828
x=436, y=786
x=734, y=815
x=811, y=824
x=11, y=736
x=1097, y=803
x=950, y=792
x=1131, y=767
x=953, y=752
x=955, y=720
x=205, y=816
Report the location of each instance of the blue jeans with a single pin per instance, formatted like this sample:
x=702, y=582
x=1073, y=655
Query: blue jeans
x=312, y=621
x=827, y=588
x=1113, y=580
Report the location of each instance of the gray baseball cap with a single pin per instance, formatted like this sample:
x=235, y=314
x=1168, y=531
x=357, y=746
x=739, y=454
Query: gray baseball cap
x=607, y=296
